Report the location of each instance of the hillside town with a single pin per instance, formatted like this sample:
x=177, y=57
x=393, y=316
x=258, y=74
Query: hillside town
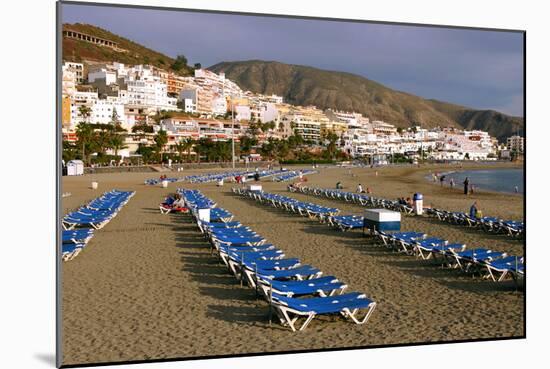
x=142, y=102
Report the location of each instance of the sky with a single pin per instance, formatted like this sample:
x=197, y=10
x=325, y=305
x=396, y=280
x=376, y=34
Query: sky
x=475, y=68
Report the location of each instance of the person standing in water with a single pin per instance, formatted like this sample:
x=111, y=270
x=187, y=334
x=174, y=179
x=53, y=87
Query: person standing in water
x=466, y=185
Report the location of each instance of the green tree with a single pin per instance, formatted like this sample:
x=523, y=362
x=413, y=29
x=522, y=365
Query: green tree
x=185, y=144
x=142, y=128
x=85, y=139
x=253, y=129
x=161, y=115
x=247, y=143
x=179, y=63
x=161, y=139
x=115, y=119
x=85, y=112
x=283, y=149
x=70, y=151
x=117, y=142
x=146, y=152
x=331, y=147
x=103, y=140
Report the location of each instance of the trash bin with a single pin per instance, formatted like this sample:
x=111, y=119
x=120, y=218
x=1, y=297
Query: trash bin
x=204, y=215
x=94, y=185
x=164, y=184
x=418, y=203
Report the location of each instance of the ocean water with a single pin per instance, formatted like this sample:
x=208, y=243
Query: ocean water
x=501, y=180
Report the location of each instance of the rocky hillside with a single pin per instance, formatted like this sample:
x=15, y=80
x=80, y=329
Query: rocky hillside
x=302, y=85
x=79, y=51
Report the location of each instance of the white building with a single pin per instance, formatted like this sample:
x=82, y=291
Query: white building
x=68, y=82
x=102, y=112
x=77, y=69
x=306, y=125
x=79, y=99
x=472, y=145
x=148, y=93
x=242, y=112
x=108, y=74
x=516, y=143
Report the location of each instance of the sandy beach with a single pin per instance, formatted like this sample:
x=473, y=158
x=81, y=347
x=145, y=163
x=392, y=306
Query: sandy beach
x=147, y=287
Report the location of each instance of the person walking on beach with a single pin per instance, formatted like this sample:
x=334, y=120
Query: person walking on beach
x=473, y=210
x=466, y=185
x=442, y=180
x=452, y=182
x=359, y=188
x=338, y=185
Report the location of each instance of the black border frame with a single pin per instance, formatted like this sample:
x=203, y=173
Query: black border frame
x=59, y=148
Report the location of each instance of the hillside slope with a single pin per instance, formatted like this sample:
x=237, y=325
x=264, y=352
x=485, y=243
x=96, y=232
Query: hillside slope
x=78, y=51
x=302, y=85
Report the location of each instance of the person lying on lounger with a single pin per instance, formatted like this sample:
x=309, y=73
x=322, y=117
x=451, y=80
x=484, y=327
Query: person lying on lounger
x=175, y=204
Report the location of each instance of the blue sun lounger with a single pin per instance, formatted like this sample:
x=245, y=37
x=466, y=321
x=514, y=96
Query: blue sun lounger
x=347, y=222
x=389, y=238
x=323, y=286
x=424, y=248
x=236, y=240
x=236, y=260
x=290, y=309
x=80, y=235
x=70, y=250
x=468, y=258
x=226, y=252
x=499, y=269
x=403, y=241
x=71, y=222
x=220, y=215
x=300, y=273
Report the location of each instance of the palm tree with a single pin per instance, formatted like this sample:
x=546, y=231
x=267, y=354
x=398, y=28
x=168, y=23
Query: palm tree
x=332, y=138
x=117, y=143
x=85, y=112
x=161, y=139
x=85, y=138
x=283, y=149
x=103, y=140
x=185, y=144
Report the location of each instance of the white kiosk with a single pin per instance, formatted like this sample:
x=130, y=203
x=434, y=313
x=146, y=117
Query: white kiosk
x=75, y=168
x=382, y=220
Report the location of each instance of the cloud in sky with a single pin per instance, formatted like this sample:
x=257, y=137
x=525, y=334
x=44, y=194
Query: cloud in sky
x=479, y=69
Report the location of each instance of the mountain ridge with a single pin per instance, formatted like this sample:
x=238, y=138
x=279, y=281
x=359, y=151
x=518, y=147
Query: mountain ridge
x=305, y=85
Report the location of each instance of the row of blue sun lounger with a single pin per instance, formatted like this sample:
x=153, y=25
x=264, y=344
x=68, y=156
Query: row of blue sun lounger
x=215, y=177
x=79, y=225
x=488, y=224
x=303, y=208
x=490, y=264
x=487, y=263
x=290, y=175
x=156, y=181
x=297, y=293
x=358, y=198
